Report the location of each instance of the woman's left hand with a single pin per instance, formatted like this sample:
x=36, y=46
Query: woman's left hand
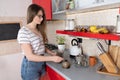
x=53, y=53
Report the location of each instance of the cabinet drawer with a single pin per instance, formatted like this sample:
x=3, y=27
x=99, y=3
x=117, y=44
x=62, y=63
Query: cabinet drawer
x=53, y=75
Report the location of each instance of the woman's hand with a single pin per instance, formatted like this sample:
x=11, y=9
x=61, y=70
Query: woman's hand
x=50, y=52
x=57, y=59
x=53, y=53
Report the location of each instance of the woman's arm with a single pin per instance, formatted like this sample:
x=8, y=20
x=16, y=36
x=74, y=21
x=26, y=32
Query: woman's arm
x=27, y=49
x=50, y=52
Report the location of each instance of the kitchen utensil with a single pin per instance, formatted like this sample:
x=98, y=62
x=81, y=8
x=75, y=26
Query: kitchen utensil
x=78, y=59
x=118, y=58
x=101, y=47
x=108, y=63
x=75, y=49
x=81, y=60
x=113, y=51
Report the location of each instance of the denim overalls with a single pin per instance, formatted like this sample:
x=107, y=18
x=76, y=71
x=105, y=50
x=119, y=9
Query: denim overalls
x=32, y=70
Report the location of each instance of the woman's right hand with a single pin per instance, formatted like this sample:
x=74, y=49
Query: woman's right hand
x=57, y=59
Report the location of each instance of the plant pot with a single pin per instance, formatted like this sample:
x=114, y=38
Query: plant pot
x=61, y=48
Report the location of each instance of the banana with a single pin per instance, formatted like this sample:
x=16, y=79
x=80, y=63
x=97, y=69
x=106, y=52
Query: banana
x=103, y=30
x=93, y=29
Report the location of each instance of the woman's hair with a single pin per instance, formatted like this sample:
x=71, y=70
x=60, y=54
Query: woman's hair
x=33, y=10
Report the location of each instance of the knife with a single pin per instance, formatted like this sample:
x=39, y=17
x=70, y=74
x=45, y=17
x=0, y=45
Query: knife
x=100, y=45
x=100, y=49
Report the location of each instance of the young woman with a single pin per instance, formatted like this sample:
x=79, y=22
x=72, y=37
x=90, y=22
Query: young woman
x=31, y=39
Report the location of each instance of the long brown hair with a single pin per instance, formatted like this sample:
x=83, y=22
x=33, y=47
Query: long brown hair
x=32, y=11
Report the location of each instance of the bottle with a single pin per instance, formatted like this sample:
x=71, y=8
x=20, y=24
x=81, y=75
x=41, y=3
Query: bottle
x=117, y=29
x=118, y=24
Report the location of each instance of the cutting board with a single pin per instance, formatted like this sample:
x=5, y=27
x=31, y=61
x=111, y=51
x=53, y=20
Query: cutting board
x=108, y=63
x=113, y=51
x=118, y=59
x=103, y=70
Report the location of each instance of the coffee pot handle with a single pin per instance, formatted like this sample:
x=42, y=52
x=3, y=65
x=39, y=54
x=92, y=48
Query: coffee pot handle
x=74, y=44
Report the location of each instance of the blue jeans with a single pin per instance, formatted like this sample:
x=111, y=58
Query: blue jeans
x=32, y=70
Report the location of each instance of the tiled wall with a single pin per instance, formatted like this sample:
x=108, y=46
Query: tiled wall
x=104, y=17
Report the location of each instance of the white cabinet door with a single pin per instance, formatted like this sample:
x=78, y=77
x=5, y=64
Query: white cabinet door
x=106, y=1
x=84, y=3
x=58, y=5
x=111, y=0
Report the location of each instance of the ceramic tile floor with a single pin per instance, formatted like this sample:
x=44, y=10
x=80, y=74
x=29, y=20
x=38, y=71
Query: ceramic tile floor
x=10, y=66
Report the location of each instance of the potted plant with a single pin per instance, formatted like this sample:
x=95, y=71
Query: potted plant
x=61, y=43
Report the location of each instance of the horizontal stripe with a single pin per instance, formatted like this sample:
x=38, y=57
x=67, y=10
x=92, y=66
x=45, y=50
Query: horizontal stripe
x=27, y=36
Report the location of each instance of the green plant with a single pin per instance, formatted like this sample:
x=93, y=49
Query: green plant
x=60, y=40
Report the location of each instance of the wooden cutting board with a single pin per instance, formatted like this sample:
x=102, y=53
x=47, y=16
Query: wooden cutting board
x=108, y=63
x=113, y=51
x=118, y=59
x=103, y=70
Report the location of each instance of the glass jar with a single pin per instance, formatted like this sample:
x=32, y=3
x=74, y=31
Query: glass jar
x=70, y=24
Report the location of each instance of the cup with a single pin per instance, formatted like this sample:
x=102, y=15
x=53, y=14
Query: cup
x=92, y=60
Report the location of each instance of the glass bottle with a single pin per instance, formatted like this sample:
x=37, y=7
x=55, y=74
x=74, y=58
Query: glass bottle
x=118, y=24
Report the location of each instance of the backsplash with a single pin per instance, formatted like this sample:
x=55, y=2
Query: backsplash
x=104, y=17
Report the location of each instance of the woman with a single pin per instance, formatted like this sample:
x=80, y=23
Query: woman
x=31, y=39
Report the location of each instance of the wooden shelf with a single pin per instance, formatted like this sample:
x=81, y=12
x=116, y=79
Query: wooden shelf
x=90, y=35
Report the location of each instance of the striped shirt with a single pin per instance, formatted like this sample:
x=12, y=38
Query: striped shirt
x=25, y=35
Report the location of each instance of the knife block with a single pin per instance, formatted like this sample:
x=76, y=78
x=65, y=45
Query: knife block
x=108, y=63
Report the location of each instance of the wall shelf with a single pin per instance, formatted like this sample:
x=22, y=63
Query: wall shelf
x=109, y=36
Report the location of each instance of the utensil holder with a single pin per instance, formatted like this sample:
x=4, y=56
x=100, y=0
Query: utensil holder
x=108, y=63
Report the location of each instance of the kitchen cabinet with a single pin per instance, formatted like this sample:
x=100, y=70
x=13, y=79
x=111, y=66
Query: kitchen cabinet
x=82, y=6
x=53, y=75
x=94, y=3
x=47, y=5
x=91, y=5
x=58, y=5
x=45, y=77
x=83, y=3
x=59, y=9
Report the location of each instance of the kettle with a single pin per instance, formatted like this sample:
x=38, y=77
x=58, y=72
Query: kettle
x=75, y=49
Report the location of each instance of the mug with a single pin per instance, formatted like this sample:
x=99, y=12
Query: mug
x=92, y=60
